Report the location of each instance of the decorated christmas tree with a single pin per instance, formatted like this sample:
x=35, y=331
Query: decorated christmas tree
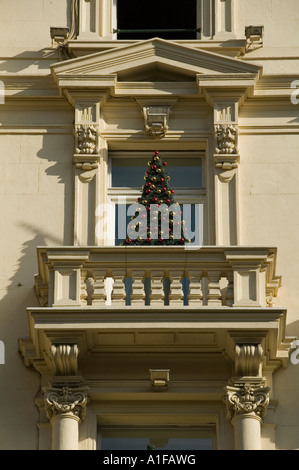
x=156, y=218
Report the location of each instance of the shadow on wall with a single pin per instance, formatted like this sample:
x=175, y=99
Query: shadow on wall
x=49, y=214
x=58, y=149
x=20, y=415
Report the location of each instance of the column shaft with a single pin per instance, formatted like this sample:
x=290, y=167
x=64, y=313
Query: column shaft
x=247, y=432
x=65, y=431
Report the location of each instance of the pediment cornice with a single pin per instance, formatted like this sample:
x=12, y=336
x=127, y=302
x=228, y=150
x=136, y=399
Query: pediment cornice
x=150, y=61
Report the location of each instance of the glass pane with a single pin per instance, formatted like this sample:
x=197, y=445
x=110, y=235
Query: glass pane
x=159, y=439
x=192, y=214
x=184, y=172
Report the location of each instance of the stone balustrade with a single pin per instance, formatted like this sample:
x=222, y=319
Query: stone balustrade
x=192, y=277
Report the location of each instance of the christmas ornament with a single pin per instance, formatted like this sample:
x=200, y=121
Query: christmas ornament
x=164, y=225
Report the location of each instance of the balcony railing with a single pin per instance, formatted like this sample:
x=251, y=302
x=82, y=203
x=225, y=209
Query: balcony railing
x=156, y=277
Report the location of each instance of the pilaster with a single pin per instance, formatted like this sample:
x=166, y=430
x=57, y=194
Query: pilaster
x=247, y=397
x=87, y=161
x=65, y=398
x=226, y=162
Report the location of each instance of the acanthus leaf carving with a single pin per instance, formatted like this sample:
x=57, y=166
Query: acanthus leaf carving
x=65, y=359
x=248, y=359
x=246, y=398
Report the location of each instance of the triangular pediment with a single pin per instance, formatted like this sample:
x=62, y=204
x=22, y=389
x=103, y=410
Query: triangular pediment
x=153, y=60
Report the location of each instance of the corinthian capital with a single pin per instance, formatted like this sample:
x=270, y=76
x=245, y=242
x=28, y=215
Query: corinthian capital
x=247, y=398
x=66, y=400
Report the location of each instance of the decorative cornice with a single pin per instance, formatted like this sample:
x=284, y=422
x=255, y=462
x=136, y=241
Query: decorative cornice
x=246, y=398
x=66, y=400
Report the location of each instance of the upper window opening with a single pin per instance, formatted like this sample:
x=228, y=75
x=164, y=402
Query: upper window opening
x=167, y=19
x=129, y=172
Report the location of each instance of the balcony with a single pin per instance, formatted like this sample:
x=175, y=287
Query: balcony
x=128, y=300
x=157, y=277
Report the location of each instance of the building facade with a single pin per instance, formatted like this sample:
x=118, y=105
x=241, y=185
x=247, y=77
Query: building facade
x=110, y=346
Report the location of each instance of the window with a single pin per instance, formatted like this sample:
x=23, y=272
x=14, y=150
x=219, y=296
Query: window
x=126, y=177
x=159, y=438
x=167, y=19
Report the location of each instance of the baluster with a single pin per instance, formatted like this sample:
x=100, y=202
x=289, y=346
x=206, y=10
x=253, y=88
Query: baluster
x=138, y=292
x=157, y=292
x=118, y=295
x=99, y=295
x=195, y=297
x=230, y=290
x=214, y=292
x=83, y=289
x=176, y=295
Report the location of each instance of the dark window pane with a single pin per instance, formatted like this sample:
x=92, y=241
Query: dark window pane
x=156, y=14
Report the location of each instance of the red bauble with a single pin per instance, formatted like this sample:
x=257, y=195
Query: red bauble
x=164, y=163
x=149, y=240
x=172, y=191
x=168, y=201
x=161, y=180
x=129, y=240
x=155, y=199
x=156, y=152
x=154, y=167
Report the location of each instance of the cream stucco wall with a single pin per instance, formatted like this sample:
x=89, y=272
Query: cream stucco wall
x=36, y=142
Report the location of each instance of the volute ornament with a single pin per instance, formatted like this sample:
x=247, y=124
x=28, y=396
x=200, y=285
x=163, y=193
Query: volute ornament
x=66, y=400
